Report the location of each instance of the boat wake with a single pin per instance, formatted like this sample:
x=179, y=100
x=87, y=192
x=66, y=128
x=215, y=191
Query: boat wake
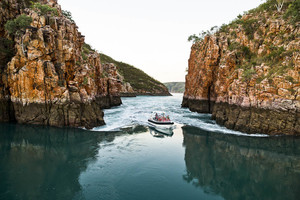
x=136, y=111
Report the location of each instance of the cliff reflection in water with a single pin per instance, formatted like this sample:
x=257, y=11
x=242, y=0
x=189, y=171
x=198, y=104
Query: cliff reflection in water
x=243, y=167
x=44, y=162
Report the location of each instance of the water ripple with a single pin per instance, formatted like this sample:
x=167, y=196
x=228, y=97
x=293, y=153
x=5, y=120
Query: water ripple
x=136, y=111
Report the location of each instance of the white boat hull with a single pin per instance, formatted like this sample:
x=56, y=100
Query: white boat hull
x=161, y=126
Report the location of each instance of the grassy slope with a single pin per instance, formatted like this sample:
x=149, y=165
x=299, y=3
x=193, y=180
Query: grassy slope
x=138, y=79
x=175, y=87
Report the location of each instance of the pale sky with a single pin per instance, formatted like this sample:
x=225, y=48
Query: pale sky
x=151, y=34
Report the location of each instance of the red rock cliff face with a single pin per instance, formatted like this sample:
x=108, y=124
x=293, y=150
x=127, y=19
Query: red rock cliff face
x=47, y=81
x=248, y=82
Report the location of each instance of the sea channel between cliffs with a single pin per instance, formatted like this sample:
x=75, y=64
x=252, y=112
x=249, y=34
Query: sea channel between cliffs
x=125, y=159
x=73, y=121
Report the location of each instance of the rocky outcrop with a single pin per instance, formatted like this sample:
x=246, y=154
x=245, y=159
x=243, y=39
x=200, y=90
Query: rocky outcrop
x=48, y=81
x=126, y=90
x=247, y=75
x=135, y=81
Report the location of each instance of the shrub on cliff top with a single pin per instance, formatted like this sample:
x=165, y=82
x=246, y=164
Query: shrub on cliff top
x=68, y=15
x=85, y=51
x=18, y=25
x=43, y=9
x=194, y=38
x=278, y=5
x=88, y=47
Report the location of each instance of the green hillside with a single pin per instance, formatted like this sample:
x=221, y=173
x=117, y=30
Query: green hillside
x=139, y=80
x=175, y=87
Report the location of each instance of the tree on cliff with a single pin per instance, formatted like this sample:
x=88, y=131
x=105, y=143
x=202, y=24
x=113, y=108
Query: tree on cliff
x=43, y=9
x=194, y=38
x=68, y=15
x=17, y=26
x=279, y=4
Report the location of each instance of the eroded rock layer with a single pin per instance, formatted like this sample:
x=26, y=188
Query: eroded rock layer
x=48, y=81
x=248, y=74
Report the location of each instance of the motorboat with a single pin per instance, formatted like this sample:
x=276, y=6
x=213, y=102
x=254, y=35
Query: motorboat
x=159, y=120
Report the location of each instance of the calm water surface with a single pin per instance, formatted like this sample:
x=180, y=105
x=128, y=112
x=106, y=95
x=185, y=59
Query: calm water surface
x=123, y=160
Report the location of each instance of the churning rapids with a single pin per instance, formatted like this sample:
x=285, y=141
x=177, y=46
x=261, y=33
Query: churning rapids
x=136, y=111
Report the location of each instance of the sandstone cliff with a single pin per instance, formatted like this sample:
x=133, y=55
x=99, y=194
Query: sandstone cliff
x=47, y=79
x=247, y=74
x=125, y=88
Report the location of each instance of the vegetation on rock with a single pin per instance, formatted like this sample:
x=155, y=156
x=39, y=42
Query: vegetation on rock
x=18, y=25
x=44, y=9
x=251, y=62
x=68, y=15
x=293, y=12
x=291, y=9
x=138, y=79
x=45, y=79
x=251, y=25
x=197, y=38
x=86, y=50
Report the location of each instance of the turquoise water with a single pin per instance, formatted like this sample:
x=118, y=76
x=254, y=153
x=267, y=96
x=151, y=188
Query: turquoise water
x=127, y=160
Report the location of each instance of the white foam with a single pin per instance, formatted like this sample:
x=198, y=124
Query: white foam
x=136, y=110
